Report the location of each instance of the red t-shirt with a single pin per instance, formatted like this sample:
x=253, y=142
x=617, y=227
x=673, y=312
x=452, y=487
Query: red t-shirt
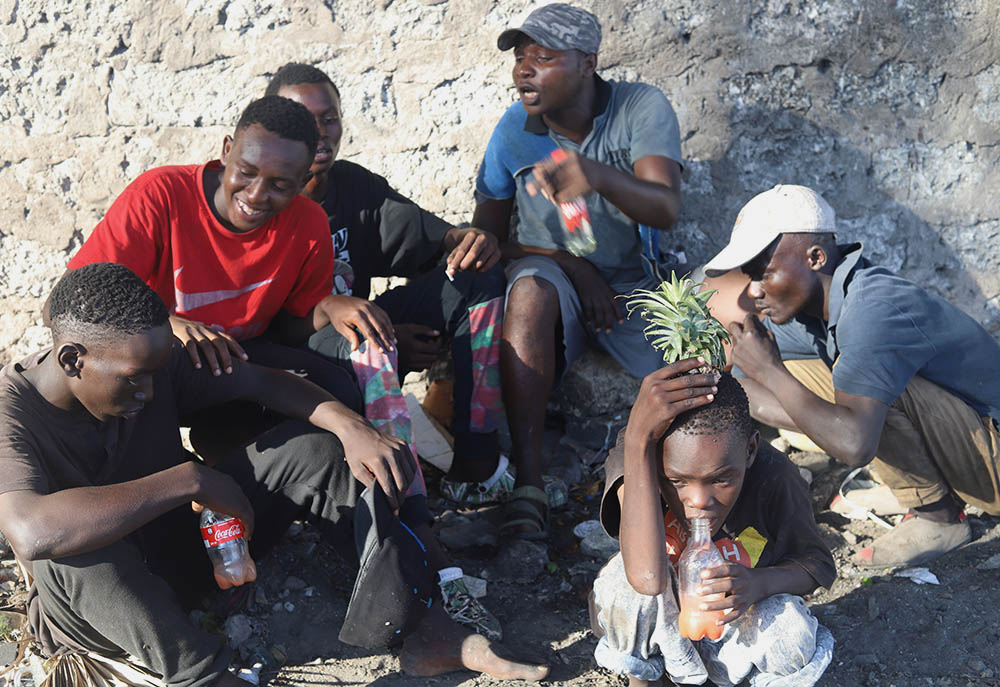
x=162, y=228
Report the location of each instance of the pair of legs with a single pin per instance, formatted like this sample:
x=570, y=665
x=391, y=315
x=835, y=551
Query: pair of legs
x=777, y=643
x=934, y=447
x=468, y=311
x=127, y=598
x=541, y=303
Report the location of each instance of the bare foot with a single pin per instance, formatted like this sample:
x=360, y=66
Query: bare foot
x=439, y=645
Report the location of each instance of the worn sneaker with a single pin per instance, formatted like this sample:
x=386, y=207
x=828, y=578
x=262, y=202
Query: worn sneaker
x=915, y=541
x=496, y=489
x=466, y=609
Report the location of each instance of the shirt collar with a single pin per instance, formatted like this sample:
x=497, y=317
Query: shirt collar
x=841, y=275
x=534, y=124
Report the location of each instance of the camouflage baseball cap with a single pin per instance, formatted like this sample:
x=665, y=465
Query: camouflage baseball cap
x=557, y=27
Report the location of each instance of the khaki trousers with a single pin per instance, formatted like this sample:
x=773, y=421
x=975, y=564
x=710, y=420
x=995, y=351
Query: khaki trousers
x=933, y=443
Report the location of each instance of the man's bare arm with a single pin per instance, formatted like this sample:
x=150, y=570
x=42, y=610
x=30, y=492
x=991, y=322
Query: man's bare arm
x=75, y=521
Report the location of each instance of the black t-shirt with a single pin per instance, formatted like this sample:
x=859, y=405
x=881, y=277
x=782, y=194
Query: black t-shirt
x=770, y=523
x=376, y=231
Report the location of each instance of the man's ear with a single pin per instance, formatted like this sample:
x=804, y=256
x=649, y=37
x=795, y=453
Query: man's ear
x=752, y=445
x=70, y=357
x=817, y=257
x=588, y=65
x=227, y=146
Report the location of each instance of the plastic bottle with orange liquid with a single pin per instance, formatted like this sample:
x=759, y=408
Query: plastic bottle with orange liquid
x=699, y=554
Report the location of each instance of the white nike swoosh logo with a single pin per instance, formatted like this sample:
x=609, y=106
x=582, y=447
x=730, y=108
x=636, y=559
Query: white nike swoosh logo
x=186, y=302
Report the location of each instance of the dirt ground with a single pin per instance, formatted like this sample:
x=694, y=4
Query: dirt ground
x=889, y=630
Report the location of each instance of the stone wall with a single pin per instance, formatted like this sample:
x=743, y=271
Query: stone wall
x=891, y=110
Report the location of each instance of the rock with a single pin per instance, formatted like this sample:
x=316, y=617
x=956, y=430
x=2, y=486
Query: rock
x=814, y=462
x=866, y=659
x=599, y=545
x=294, y=583
x=521, y=562
x=991, y=563
x=806, y=475
x=239, y=629
x=976, y=665
x=596, y=432
x=464, y=534
x=594, y=386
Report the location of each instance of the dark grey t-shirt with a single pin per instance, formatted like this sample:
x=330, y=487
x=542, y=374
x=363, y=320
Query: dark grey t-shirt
x=883, y=330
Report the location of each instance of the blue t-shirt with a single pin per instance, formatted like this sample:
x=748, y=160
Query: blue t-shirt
x=635, y=120
x=883, y=330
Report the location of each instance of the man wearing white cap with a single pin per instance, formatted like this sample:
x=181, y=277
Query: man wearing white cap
x=866, y=363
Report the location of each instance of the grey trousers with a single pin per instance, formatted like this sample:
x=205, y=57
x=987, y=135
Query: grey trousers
x=777, y=642
x=128, y=597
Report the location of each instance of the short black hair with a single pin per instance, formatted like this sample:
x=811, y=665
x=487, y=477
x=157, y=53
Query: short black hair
x=295, y=73
x=728, y=411
x=103, y=298
x=287, y=118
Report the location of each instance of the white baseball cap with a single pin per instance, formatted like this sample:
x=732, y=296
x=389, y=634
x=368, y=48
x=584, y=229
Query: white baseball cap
x=784, y=209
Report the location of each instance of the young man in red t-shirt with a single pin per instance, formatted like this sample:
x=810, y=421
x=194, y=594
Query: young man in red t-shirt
x=234, y=251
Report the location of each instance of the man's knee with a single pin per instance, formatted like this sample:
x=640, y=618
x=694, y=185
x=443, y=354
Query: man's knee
x=531, y=298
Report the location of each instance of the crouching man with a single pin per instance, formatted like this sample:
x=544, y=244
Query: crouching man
x=867, y=364
x=690, y=451
x=97, y=493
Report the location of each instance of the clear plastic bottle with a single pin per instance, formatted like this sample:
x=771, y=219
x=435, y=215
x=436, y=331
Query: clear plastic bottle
x=227, y=549
x=699, y=554
x=575, y=219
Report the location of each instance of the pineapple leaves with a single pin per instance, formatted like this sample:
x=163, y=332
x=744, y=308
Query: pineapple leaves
x=681, y=323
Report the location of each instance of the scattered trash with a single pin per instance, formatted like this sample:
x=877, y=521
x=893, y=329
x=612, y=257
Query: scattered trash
x=556, y=490
x=919, y=575
x=252, y=674
x=289, y=606
x=309, y=591
x=475, y=585
x=856, y=511
x=586, y=527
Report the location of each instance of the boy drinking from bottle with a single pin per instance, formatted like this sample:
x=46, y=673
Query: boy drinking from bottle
x=690, y=451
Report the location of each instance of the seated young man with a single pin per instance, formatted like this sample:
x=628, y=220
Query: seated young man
x=690, y=451
x=867, y=364
x=235, y=252
x=622, y=147
x=458, y=303
x=96, y=500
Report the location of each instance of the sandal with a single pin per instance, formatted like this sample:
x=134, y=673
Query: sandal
x=495, y=489
x=528, y=507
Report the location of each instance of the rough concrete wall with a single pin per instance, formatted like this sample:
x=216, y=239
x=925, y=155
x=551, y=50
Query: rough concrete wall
x=891, y=110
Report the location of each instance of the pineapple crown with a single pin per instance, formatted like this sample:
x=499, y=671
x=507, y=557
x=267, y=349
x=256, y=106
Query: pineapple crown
x=680, y=321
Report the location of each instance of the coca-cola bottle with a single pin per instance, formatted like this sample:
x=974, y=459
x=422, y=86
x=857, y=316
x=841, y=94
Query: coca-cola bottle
x=575, y=219
x=699, y=554
x=227, y=549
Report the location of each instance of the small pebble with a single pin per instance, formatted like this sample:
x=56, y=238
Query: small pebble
x=289, y=606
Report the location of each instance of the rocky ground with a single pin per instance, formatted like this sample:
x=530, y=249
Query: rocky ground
x=889, y=630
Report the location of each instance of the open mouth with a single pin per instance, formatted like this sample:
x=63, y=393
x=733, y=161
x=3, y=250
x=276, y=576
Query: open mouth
x=529, y=95
x=323, y=154
x=249, y=212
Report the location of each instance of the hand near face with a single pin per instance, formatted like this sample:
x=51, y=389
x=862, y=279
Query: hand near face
x=563, y=181
x=665, y=394
x=754, y=349
x=201, y=341
x=741, y=586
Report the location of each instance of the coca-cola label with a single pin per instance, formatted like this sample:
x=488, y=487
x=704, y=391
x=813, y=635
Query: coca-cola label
x=575, y=214
x=221, y=532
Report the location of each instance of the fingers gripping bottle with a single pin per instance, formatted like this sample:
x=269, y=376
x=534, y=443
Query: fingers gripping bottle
x=227, y=549
x=699, y=554
x=575, y=219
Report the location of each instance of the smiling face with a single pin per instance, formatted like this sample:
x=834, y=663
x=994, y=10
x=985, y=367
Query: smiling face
x=702, y=474
x=324, y=104
x=549, y=80
x=262, y=173
x=113, y=376
x=783, y=278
